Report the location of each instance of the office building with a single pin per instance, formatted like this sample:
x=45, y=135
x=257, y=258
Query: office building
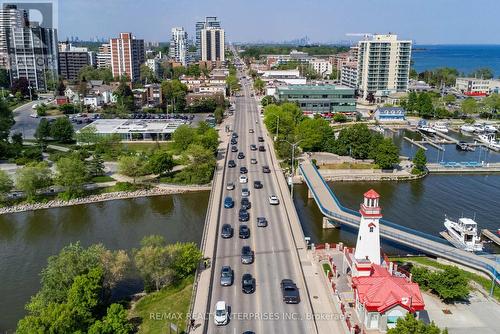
x=10, y=17
x=179, y=46
x=210, y=22
x=127, y=55
x=383, y=64
x=104, y=56
x=212, y=44
x=33, y=55
x=322, y=99
x=477, y=86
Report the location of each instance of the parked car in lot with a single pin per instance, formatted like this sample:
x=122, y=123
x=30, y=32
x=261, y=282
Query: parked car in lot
x=247, y=283
x=231, y=164
x=226, y=276
x=221, y=317
x=228, y=203
x=261, y=222
x=290, y=292
x=245, y=203
x=243, y=170
x=226, y=232
x=244, y=232
x=273, y=200
x=243, y=179
x=266, y=169
x=247, y=255
x=230, y=186
x=243, y=216
x=258, y=185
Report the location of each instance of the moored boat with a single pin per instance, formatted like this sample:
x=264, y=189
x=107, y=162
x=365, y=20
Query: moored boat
x=464, y=146
x=464, y=234
x=440, y=127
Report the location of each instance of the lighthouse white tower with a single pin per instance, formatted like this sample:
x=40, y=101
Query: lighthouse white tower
x=368, y=242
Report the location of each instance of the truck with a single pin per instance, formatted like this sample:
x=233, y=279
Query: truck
x=290, y=291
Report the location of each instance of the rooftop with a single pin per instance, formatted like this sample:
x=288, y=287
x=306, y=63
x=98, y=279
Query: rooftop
x=124, y=126
x=314, y=88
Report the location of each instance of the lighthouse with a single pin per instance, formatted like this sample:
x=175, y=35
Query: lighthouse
x=368, y=242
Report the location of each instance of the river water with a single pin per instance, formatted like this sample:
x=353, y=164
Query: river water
x=28, y=239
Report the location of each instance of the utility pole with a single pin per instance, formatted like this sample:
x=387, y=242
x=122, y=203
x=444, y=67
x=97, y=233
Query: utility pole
x=294, y=146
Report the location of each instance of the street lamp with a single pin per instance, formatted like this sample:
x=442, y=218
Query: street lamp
x=31, y=95
x=294, y=146
x=277, y=127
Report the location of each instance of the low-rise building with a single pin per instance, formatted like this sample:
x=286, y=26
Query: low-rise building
x=390, y=114
x=93, y=101
x=322, y=99
x=154, y=94
x=290, y=77
x=477, y=87
x=321, y=66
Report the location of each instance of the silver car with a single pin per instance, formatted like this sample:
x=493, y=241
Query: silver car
x=230, y=186
x=226, y=276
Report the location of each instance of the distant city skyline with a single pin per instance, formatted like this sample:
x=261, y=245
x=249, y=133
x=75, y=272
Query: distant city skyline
x=429, y=22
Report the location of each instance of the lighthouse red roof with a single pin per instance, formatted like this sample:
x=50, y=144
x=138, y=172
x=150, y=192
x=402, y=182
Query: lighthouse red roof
x=371, y=194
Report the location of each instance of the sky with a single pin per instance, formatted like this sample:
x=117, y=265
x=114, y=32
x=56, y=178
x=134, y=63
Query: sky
x=324, y=21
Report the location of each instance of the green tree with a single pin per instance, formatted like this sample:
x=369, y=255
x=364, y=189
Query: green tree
x=161, y=162
x=425, y=106
x=62, y=130
x=233, y=84
x=147, y=75
x=61, y=88
x=183, y=136
x=410, y=325
x=95, y=166
x=422, y=276
x=174, y=92
x=259, y=85
x=185, y=258
x=492, y=102
x=313, y=133
x=71, y=174
x=4, y=78
x=115, y=322
x=469, y=106
x=87, y=136
x=152, y=262
x=33, y=177
x=209, y=139
x=91, y=73
x=450, y=284
x=6, y=184
x=131, y=166
x=17, y=141
x=387, y=154
x=267, y=100
x=42, y=132
x=219, y=115
x=340, y=118
x=6, y=120
x=124, y=97
x=482, y=73
x=449, y=99
x=420, y=160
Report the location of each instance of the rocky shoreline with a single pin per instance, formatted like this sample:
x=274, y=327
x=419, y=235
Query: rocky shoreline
x=157, y=191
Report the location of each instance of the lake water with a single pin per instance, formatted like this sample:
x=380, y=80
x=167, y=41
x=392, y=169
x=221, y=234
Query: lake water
x=27, y=239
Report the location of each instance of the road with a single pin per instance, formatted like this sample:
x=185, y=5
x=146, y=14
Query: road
x=275, y=259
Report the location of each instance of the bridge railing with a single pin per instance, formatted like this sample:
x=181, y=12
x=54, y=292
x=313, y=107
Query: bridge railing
x=431, y=246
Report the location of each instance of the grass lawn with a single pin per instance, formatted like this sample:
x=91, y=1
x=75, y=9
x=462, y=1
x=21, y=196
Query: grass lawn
x=348, y=165
x=171, y=299
x=103, y=178
x=425, y=261
x=326, y=268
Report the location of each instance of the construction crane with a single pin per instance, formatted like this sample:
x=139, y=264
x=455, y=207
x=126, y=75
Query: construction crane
x=362, y=34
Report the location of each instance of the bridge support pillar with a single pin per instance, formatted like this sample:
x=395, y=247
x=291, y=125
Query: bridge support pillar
x=309, y=194
x=328, y=223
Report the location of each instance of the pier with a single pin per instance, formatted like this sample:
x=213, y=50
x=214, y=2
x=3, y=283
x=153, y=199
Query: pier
x=463, y=167
x=491, y=236
x=415, y=143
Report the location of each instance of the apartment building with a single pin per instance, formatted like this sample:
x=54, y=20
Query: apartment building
x=127, y=55
x=179, y=45
x=10, y=17
x=104, y=56
x=212, y=44
x=210, y=22
x=383, y=64
x=349, y=74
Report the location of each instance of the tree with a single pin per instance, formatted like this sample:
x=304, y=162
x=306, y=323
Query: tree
x=482, y=73
x=152, y=261
x=160, y=162
x=6, y=184
x=267, y=100
x=68, y=108
x=6, y=120
x=33, y=177
x=71, y=174
x=313, y=133
x=420, y=160
x=340, y=118
x=95, y=166
x=410, y=325
x=131, y=166
x=233, y=84
x=116, y=265
x=61, y=88
x=425, y=106
x=4, y=78
x=42, y=132
x=175, y=92
x=469, y=106
x=209, y=139
x=20, y=86
x=62, y=130
x=185, y=258
x=183, y=136
x=87, y=136
x=124, y=97
x=115, y=322
x=387, y=154
x=450, y=284
x=147, y=75
x=449, y=98
x=259, y=85
x=219, y=115
x=91, y=73
x=17, y=140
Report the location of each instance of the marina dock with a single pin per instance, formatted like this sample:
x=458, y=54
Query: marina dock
x=491, y=236
x=451, y=140
x=463, y=167
x=452, y=241
x=415, y=143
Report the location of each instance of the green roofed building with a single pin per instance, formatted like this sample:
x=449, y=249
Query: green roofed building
x=323, y=99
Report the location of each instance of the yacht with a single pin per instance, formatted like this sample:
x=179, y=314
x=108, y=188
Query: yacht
x=440, y=127
x=490, y=128
x=478, y=128
x=424, y=128
x=464, y=234
x=467, y=128
x=464, y=146
x=489, y=139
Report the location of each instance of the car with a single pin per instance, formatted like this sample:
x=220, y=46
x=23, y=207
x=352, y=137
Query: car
x=231, y=164
x=243, y=216
x=230, y=186
x=234, y=149
x=245, y=192
x=290, y=291
x=253, y=161
x=228, y=203
x=244, y=232
x=261, y=222
x=266, y=170
x=250, y=131
x=234, y=142
x=247, y=255
x=226, y=276
x=273, y=200
x=245, y=203
x=243, y=179
x=262, y=149
x=227, y=231
x=221, y=317
x=247, y=283
x=241, y=155
x=260, y=139
x=253, y=147
x=243, y=170
x=234, y=135
x=258, y=185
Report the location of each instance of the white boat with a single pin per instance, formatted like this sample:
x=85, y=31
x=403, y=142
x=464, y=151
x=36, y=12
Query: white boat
x=489, y=139
x=467, y=128
x=464, y=234
x=440, y=127
x=490, y=128
x=426, y=129
x=478, y=128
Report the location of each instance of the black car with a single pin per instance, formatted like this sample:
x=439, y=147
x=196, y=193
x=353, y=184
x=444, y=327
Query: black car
x=247, y=255
x=290, y=292
x=231, y=164
x=261, y=139
x=262, y=149
x=245, y=203
x=234, y=149
x=243, y=170
x=261, y=222
x=234, y=135
x=227, y=231
x=247, y=283
x=253, y=147
x=243, y=215
x=244, y=232
x=258, y=185
x=265, y=169
x=234, y=141
x=241, y=155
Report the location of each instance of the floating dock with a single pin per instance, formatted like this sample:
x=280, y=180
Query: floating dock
x=465, y=167
x=415, y=143
x=452, y=241
x=490, y=235
x=448, y=138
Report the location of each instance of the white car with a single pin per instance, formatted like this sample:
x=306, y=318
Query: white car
x=253, y=161
x=221, y=317
x=230, y=186
x=243, y=179
x=273, y=200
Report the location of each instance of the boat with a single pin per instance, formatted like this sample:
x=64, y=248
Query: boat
x=490, y=128
x=464, y=234
x=489, y=139
x=379, y=129
x=424, y=128
x=467, y=128
x=478, y=128
x=464, y=146
x=440, y=127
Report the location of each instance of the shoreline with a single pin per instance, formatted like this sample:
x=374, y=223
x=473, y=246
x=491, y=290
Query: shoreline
x=56, y=203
